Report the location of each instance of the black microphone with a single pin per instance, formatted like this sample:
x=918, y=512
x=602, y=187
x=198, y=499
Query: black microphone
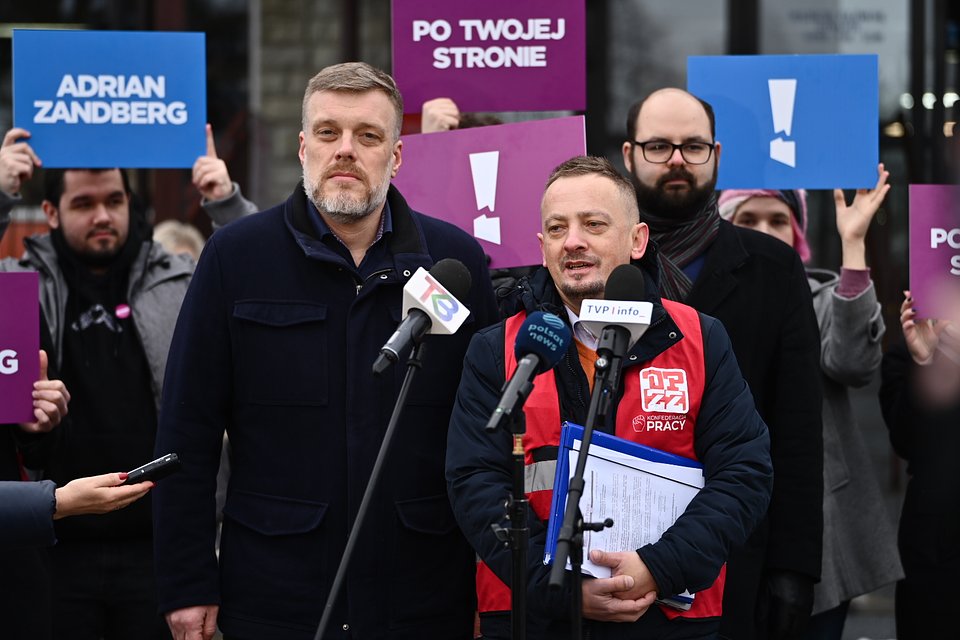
x=430, y=305
x=539, y=346
x=622, y=317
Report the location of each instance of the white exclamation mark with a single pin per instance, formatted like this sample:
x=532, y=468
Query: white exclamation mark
x=782, y=95
x=483, y=167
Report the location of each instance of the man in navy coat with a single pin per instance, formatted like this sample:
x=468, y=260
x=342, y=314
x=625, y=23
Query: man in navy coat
x=283, y=320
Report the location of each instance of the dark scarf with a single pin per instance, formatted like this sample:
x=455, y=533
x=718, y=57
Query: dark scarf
x=680, y=242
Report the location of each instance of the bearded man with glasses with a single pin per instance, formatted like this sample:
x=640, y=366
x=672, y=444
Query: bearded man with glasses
x=756, y=286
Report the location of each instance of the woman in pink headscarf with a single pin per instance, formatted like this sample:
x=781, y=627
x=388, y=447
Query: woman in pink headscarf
x=859, y=546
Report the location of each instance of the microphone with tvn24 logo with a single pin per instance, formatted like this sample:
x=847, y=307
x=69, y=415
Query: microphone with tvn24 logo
x=539, y=347
x=430, y=305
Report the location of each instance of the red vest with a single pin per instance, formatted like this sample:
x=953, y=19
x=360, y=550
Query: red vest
x=659, y=408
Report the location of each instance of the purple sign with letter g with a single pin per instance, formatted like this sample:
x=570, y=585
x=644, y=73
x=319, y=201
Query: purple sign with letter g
x=19, y=345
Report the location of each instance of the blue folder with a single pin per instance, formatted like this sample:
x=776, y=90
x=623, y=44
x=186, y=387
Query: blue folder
x=570, y=433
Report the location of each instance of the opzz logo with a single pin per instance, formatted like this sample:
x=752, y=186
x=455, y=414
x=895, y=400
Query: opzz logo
x=8, y=362
x=664, y=390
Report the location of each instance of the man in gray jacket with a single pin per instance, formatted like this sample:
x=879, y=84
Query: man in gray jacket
x=110, y=297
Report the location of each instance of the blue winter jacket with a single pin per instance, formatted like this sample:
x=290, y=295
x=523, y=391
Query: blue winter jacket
x=26, y=514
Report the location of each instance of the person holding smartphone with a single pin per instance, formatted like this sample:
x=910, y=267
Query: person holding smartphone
x=28, y=509
x=110, y=297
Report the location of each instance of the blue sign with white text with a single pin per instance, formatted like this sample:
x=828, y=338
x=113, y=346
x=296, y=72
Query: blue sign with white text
x=111, y=98
x=787, y=122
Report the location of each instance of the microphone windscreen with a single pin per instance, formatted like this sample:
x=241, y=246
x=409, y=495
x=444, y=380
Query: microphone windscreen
x=454, y=276
x=545, y=336
x=625, y=283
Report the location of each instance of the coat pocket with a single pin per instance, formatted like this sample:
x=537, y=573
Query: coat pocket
x=275, y=558
x=280, y=351
x=428, y=547
x=274, y=515
x=430, y=516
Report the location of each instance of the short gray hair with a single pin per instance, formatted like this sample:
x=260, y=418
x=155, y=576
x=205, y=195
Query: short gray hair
x=355, y=77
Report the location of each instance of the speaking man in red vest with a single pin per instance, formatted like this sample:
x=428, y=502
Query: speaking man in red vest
x=591, y=225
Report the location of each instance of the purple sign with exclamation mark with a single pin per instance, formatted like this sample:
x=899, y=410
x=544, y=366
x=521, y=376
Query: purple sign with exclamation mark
x=488, y=181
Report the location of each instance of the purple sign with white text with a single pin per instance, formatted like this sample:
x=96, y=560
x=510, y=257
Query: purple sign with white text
x=19, y=345
x=935, y=249
x=497, y=55
x=488, y=181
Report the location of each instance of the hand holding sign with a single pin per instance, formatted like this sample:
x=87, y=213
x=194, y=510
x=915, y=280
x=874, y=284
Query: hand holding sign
x=933, y=344
x=439, y=114
x=17, y=161
x=50, y=400
x=210, y=175
x=854, y=220
x=921, y=335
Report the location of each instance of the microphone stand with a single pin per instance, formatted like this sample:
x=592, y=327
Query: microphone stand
x=413, y=364
x=613, y=344
x=517, y=535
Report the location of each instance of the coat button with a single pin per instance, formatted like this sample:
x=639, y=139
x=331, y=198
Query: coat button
x=406, y=273
x=633, y=357
x=346, y=627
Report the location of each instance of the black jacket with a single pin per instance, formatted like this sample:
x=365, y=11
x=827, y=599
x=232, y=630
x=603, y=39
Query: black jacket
x=275, y=343
x=756, y=286
x=928, y=438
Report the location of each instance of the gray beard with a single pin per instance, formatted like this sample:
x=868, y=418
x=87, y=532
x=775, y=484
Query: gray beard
x=342, y=207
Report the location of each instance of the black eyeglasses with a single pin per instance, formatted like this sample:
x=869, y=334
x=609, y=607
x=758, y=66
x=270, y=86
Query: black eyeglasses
x=660, y=151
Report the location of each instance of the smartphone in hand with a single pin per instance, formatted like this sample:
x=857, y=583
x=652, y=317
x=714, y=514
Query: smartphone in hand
x=153, y=471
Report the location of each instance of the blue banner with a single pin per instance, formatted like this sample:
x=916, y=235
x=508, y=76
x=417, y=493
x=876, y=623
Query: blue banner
x=787, y=122
x=111, y=98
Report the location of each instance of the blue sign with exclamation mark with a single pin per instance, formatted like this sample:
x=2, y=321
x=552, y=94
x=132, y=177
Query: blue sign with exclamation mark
x=786, y=122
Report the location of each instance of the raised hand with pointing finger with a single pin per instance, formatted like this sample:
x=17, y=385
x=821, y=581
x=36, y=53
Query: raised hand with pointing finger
x=222, y=199
x=210, y=175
